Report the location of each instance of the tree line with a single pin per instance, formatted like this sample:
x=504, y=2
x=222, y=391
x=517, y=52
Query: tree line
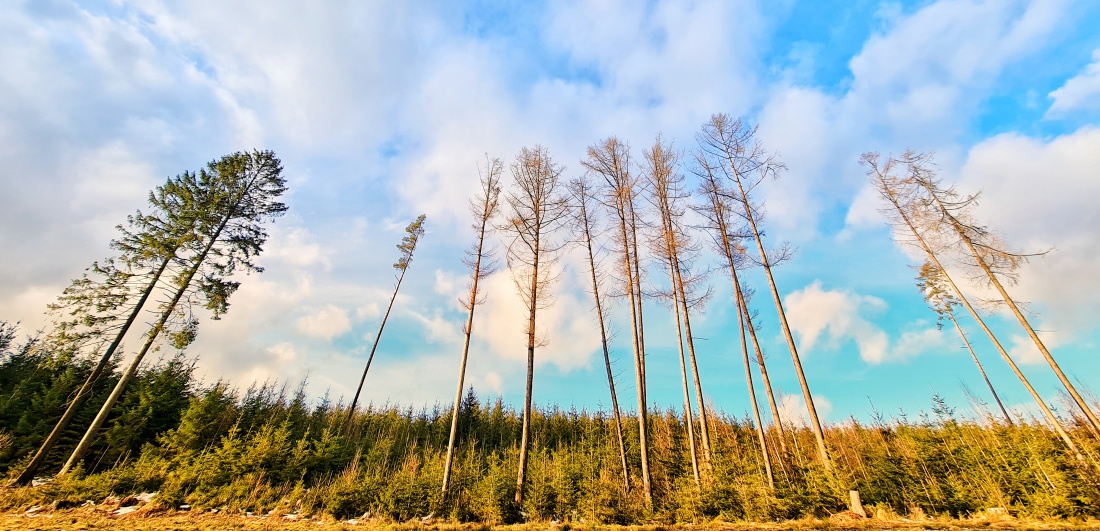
x=635, y=221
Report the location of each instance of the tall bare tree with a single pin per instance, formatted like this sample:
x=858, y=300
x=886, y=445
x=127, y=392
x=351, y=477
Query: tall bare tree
x=610, y=160
x=479, y=259
x=413, y=232
x=910, y=216
x=986, y=256
x=537, y=208
x=668, y=195
x=717, y=209
x=743, y=321
x=731, y=148
x=586, y=223
x=931, y=282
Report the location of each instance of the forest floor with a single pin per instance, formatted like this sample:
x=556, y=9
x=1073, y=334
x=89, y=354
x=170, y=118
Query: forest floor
x=88, y=518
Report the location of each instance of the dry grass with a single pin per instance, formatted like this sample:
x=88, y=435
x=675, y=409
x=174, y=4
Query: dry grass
x=149, y=518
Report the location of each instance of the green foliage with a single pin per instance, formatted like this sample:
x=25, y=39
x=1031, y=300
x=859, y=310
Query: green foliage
x=408, y=244
x=267, y=449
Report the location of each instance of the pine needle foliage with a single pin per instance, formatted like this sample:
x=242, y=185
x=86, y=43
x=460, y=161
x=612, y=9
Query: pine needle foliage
x=267, y=448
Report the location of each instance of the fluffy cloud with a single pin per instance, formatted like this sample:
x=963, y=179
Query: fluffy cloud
x=841, y=315
x=1080, y=93
x=1039, y=195
x=380, y=111
x=569, y=331
x=814, y=311
x=326, y=323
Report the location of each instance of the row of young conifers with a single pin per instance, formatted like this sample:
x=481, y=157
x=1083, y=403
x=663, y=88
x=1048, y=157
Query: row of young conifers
x=202, y=227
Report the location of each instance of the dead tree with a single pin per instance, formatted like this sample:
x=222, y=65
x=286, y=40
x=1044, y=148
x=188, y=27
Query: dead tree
x=910, y=215
x=537, y=209
x=985, y=255
x=717, y=210
x=673, y=244
x=584, y=221
x=732, y=150
x=610, y=160
x=480, y=261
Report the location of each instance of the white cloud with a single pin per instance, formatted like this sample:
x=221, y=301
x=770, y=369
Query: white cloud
x=493, y=382
x=918, y=73
x=792, y=409
x=840, y=315
x=814, y=311
x=571, y=334
x=1040, y=195
x=327, y=323
x=446, y=283
x=297, y=247
x=915, y=342
x=1079, y=93
x=440, y=330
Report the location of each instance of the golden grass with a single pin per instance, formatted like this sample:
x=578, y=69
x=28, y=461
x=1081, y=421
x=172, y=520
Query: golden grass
x=148, y=518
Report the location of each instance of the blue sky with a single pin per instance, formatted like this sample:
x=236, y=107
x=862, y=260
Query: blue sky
x=382, y=110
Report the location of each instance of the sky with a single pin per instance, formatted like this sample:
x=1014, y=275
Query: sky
x=381, y=111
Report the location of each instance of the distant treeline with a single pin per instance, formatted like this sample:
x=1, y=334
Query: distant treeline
x=269, y=449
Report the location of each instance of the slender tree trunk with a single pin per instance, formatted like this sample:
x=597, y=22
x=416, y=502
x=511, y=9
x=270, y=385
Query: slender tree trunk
x=752, y=396
x=610, y=159
x=27, y=475
x=1092, y=422
x=633, y=285
x=93, y=430
x=374, y=347
x=638, y=289
x=815, y=423
x=603, y=342
x=1054, y=423
x=688, y=416
x=462, y=367
x=524, y=447
x=1008, y=418
x=704, y=427
x=727, y=249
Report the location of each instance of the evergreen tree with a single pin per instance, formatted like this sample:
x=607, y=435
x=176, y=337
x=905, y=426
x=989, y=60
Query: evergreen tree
x=225, y=206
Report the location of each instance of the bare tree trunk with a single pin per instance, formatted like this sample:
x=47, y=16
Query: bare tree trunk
x=732, y=143
x=610, y=159
x=718, y=210
x=373, y=348
x=704, y=427
x=1093, y=423
x=1008, y=418
x=537, y=209
x=688, y=416
x=752, y=395
x=27, y=475
x=526, y=436
x=668, y=195
x=610, y=378
x=586, y=226
x=1057, y=426
x=491, y=192
x=776, y=418
x=891, y=195
x=815, y=423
